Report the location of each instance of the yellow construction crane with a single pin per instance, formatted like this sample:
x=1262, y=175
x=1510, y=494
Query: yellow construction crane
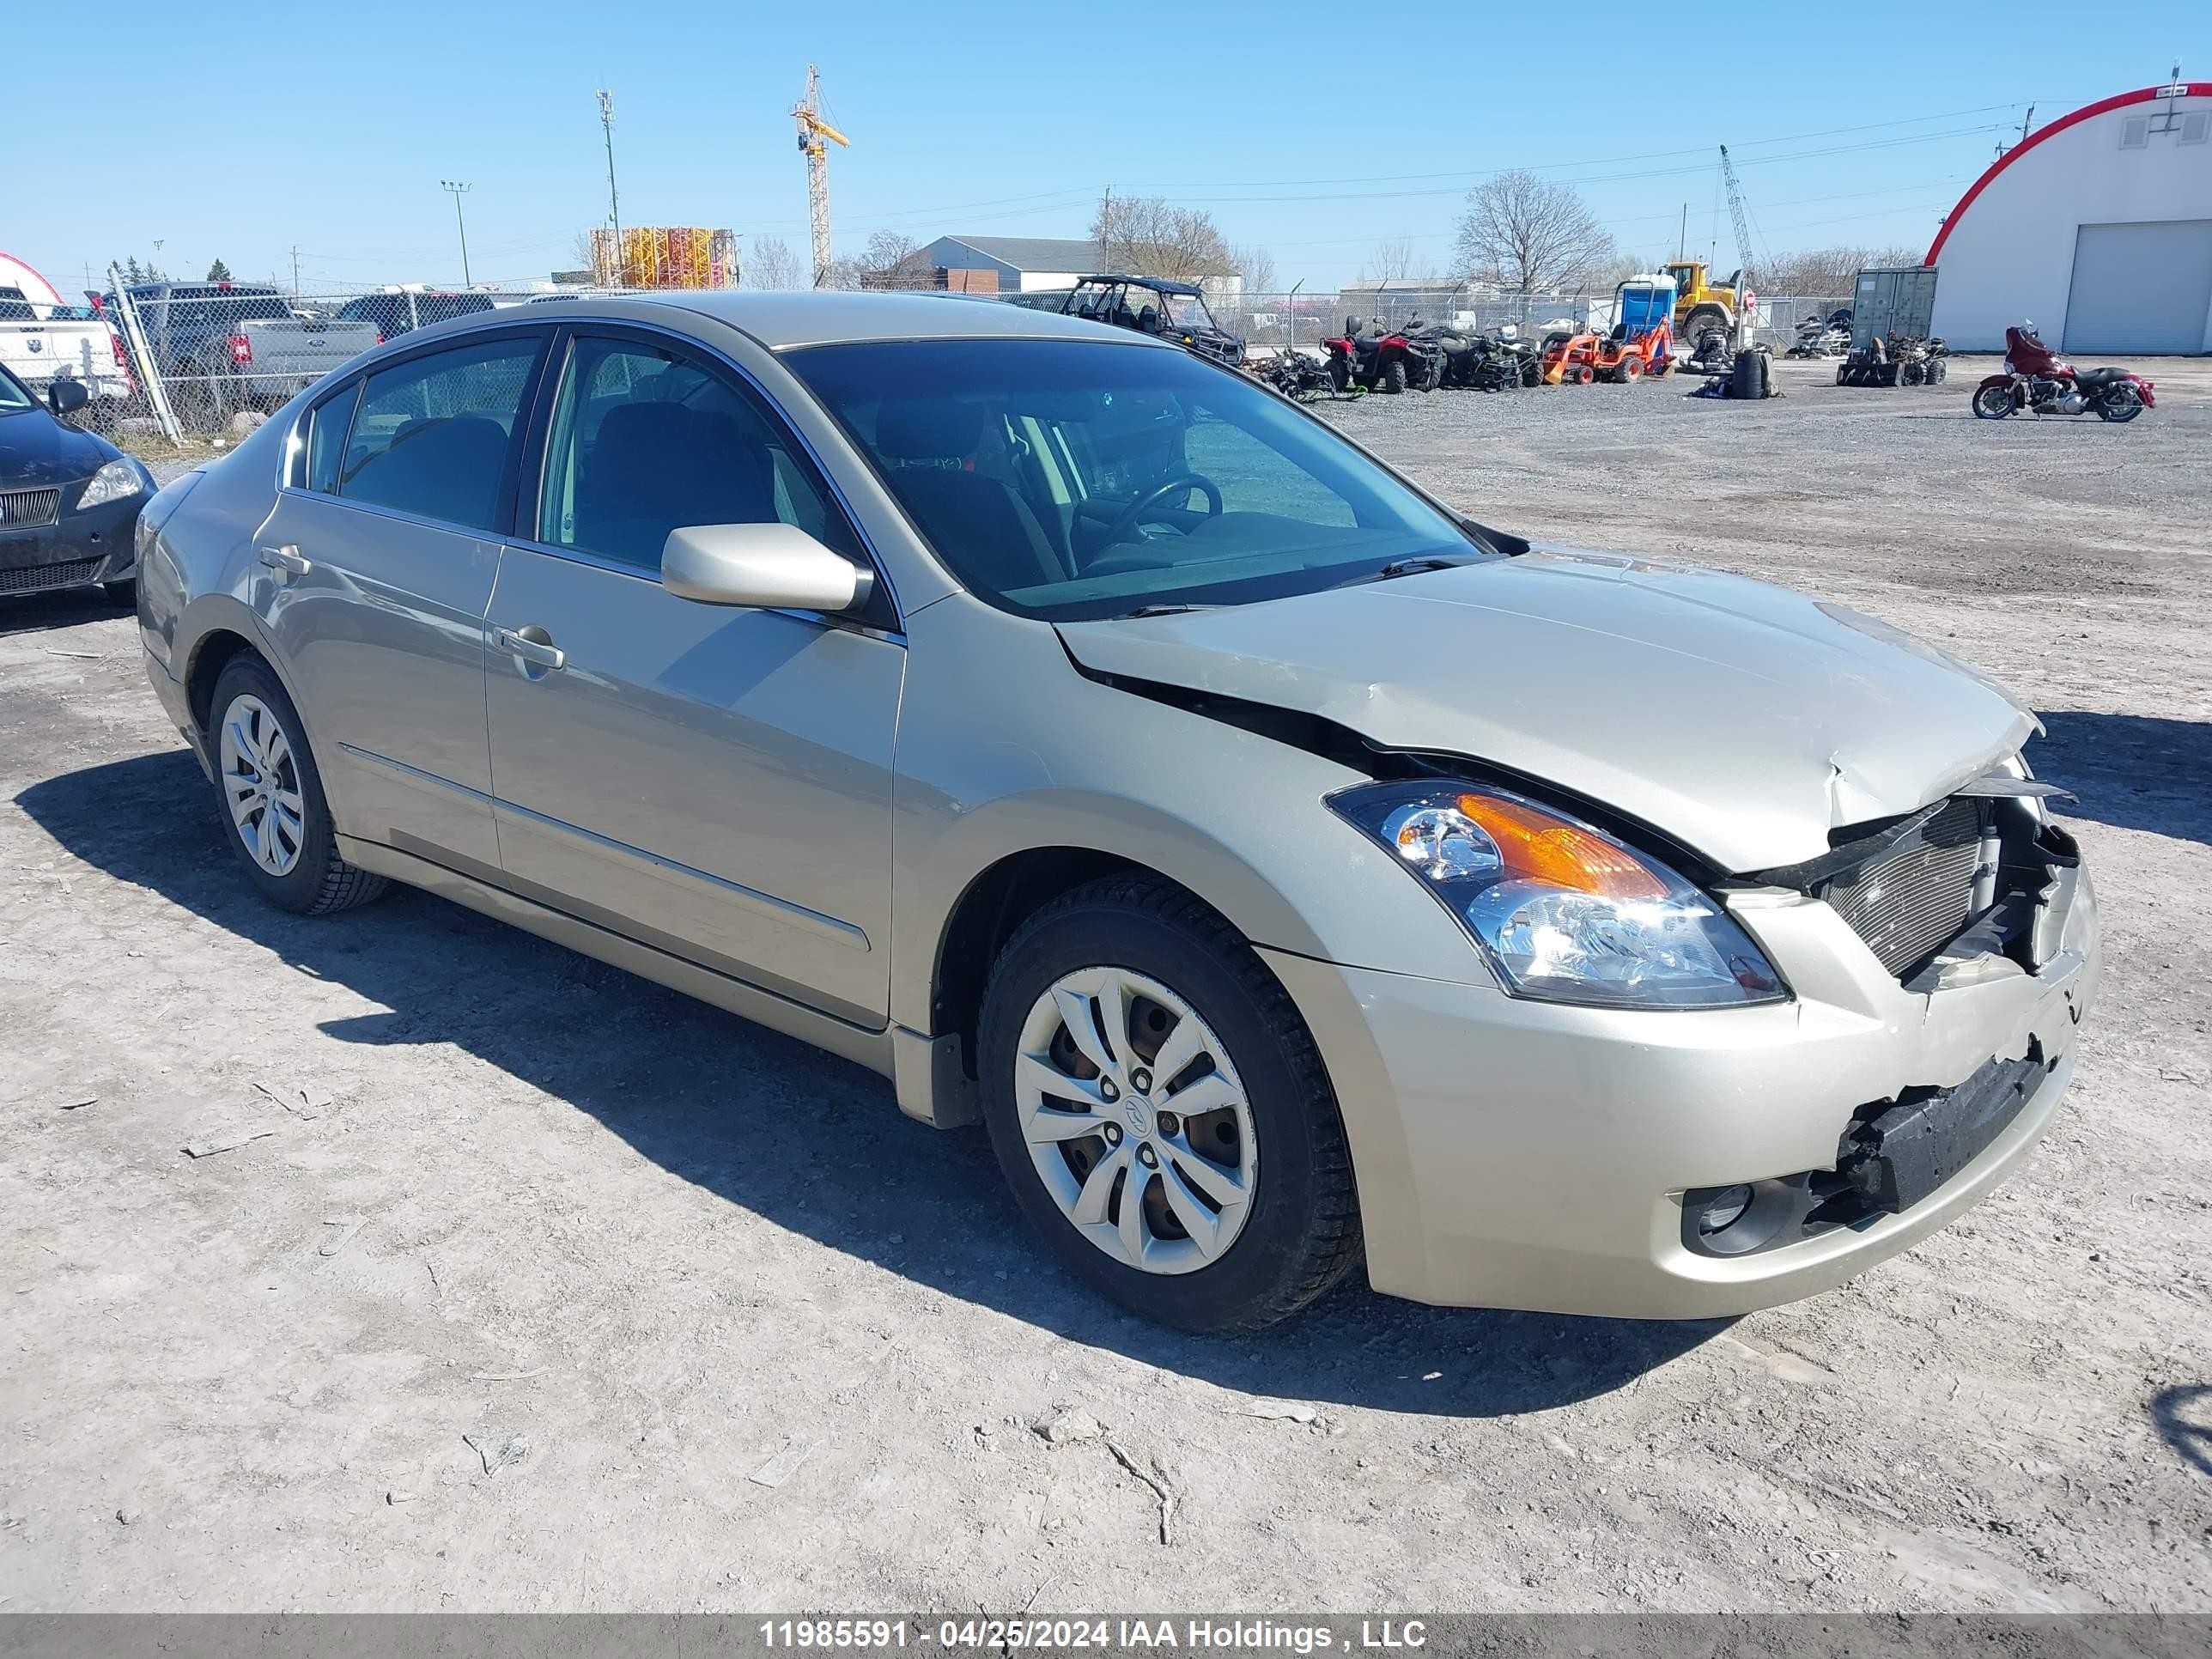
x=812, y=130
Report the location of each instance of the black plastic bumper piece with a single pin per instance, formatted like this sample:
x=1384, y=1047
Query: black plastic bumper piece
x=1893, y=1155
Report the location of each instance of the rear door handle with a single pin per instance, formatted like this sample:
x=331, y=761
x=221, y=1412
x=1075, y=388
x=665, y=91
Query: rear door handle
x=541, y=651
x=287, y=558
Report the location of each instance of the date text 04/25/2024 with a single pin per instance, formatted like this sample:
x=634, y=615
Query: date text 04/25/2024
x=1103, y=1635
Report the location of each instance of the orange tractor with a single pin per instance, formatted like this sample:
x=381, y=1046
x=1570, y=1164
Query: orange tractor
x=1640, y=341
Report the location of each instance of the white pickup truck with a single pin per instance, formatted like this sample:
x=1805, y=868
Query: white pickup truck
x=42, y=343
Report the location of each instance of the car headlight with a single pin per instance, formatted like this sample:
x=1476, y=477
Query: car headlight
x=1564, y=911
x=120, y=480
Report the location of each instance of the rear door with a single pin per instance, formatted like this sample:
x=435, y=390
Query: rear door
x=375, y=572
x=711, y=780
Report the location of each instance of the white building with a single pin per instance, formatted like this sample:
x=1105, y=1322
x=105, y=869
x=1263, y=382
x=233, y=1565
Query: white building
x=2097, y=227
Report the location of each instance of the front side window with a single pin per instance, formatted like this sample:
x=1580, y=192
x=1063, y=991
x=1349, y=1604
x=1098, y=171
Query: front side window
x=432, y=434
x=644, y=441
x=1066, y=479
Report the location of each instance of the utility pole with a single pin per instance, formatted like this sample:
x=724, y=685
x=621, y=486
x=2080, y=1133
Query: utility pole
x=614, y=201
x=295, y=271
x=1683, y=237
x=459, y=190
x=1106, y=232
x=812, y=130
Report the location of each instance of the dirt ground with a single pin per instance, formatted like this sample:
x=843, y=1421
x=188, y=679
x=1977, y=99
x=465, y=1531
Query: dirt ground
x=542, y=1288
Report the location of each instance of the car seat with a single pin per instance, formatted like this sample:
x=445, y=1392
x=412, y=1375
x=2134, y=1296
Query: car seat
x=656, y=467
x=979, y=524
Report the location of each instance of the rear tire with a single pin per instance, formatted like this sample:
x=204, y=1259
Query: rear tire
x=1340, y=374
x=1294, y=1233
x=1702, y=320
x=255, y=738
x=1631, y=371
x=2120, y=405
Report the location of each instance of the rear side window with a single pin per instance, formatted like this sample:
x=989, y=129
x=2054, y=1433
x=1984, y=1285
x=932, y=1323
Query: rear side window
x=432, y=436
x=326, y=436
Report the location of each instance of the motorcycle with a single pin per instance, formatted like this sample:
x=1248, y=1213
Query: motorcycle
x=2035, y=378
x=1824, y=337
x=1296, y=376
x=1381, y=358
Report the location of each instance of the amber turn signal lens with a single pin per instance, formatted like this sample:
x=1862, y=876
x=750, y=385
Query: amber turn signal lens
x=1538, y=847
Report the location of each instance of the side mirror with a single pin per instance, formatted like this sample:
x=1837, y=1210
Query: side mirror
x=66, y=397
x=774, y=566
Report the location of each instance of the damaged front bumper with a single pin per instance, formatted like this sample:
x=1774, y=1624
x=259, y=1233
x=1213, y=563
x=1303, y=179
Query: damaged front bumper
x=1518, y=1154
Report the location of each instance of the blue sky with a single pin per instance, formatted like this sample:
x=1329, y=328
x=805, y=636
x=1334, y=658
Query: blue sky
x=1301, y=129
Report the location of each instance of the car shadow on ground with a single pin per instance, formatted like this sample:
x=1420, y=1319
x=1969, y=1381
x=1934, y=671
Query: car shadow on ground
x=2135, y=771
x=62, y=608
x=657, y=1069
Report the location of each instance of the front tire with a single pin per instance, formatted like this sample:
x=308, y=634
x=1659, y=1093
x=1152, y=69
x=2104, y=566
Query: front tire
x=1393, y=376
x=1993, y=403
x=1216, y=1195
x=270, y=796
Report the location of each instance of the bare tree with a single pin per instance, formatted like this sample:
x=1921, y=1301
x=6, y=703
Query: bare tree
x=1529, y=233
x=584, y=251
x=1826, y=272
x=1619, y=269
x=893, y=259
x=773, y=264
x=1145, y=236
x=1257, y=266
x=1391, y=260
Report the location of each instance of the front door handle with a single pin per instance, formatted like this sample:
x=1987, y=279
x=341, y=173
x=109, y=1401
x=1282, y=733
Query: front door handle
x=287, y=558
x=532, y=644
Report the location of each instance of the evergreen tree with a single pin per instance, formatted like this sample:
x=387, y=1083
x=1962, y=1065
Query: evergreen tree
x=218, y=272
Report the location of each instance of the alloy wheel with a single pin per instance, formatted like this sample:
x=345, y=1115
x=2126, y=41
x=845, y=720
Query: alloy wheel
x=1135, y=1120
x=260, y=779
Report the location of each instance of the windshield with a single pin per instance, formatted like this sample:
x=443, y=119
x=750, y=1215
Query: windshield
x=14, y=397
x=1185, y=310
x=1069, y=480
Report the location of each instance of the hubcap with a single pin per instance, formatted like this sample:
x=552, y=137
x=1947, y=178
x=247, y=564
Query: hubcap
x=261, y=784
x=1136, y=1120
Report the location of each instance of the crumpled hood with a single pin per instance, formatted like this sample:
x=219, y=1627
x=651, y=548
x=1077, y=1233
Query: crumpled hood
x=1743, y=720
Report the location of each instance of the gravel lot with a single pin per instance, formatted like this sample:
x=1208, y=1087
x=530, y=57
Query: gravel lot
x=546, y=1288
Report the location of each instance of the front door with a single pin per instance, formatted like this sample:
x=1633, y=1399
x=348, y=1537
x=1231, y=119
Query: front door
x=713, y=781
x=372, y=578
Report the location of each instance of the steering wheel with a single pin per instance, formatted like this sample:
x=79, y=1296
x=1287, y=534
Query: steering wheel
x=1182, y=483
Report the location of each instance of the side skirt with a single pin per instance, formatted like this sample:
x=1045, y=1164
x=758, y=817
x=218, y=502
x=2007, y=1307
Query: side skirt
x=873, y=1049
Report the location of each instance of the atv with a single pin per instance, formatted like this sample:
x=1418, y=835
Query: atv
x=1170, y=310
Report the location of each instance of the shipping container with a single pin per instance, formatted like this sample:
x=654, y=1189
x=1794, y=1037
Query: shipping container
x=1891, y=303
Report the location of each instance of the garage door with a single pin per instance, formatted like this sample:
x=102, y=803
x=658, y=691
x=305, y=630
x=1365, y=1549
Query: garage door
x=2141, y=287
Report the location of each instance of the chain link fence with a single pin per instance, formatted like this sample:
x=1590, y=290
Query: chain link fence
x=202, y=360
x=205, y=358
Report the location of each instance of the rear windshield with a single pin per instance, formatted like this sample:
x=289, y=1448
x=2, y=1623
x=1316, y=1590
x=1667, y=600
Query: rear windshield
x=191, y=304
x=1069, y=479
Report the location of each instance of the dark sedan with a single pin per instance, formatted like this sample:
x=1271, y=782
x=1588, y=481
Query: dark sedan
x=69, y=498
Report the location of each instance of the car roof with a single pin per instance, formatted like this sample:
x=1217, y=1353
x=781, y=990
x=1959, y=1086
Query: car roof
x=778, y=319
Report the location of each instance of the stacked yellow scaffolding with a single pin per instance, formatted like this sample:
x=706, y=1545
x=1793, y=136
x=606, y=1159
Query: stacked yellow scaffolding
x=665, y=256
